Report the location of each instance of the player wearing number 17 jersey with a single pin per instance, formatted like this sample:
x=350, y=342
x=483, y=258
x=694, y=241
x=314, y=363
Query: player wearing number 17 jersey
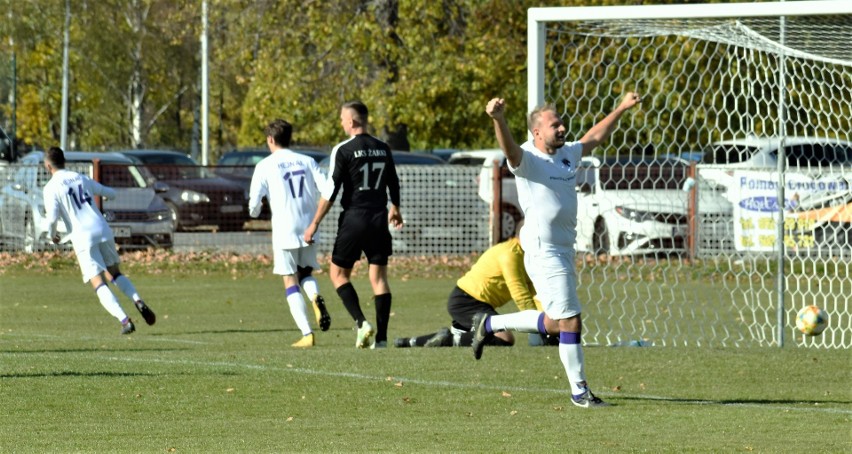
x=69, y=196
x=362, y=167
x=290, y=182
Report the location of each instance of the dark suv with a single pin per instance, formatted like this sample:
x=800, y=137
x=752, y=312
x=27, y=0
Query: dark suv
x=196, y=196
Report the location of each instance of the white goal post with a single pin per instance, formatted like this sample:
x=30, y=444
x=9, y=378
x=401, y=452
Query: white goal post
x=766, y=86
x=538, y=18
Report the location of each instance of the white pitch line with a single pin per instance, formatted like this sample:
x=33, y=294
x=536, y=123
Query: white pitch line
x=449, y=384
x=101, y=338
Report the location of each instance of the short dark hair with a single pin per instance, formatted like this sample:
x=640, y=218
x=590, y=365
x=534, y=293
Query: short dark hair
x=280, y=131
x=55, y=157
x=361, y=112
x=535, y=115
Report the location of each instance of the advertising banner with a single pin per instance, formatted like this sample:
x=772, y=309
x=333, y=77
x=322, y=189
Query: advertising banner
x=810, y=203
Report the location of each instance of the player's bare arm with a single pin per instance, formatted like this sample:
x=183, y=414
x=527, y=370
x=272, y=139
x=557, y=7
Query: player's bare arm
x=604, y=128
x=496, y=110
x=322, y=209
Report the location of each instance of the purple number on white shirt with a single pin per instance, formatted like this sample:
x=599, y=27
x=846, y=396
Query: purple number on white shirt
x=290, y=176
x=80, y=197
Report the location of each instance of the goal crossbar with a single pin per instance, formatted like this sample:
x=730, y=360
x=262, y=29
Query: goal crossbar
x=537, y=17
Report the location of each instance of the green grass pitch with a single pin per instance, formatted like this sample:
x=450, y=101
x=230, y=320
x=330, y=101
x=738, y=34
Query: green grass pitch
x=217, y=374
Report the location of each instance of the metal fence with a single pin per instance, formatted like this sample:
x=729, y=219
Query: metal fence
x=664, y=262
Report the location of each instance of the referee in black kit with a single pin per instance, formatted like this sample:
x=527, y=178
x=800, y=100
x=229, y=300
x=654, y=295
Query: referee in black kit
x=363, y=167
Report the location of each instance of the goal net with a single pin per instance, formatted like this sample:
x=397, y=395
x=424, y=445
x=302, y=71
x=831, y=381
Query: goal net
x=726, y=250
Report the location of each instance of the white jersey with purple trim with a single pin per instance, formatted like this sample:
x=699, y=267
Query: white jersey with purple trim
x=70, y=196
x=291, y=182
x=548, y=197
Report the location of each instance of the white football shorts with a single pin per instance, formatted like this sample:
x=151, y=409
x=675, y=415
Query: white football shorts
x=555, y=279
x=286, y=260
x=95, y=260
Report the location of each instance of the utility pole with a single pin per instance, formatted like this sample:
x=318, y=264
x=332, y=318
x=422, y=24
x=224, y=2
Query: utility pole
x=205, y=135
x=14, y=94
x=63, y=141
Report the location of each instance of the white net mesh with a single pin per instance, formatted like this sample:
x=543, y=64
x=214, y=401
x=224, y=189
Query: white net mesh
x=730, y=92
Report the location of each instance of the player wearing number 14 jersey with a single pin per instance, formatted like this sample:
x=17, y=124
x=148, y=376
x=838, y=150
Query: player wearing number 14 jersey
x=69, y=196
x=362, y=167
x=290, y=182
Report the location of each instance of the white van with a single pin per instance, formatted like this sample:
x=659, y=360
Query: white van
x=486, y=159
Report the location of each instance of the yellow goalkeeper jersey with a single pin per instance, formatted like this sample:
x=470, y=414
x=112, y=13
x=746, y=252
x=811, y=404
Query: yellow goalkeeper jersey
x=499, y=276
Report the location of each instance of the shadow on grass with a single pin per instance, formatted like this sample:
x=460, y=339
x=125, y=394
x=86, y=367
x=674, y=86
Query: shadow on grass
x=90, y=350
x=734, y=402
x=79, y=374
x=223, y=331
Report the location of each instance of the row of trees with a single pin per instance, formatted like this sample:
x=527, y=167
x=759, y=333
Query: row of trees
x=424, y=67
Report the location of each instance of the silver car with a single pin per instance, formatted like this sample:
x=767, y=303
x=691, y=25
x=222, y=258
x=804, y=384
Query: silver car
x=137, y=215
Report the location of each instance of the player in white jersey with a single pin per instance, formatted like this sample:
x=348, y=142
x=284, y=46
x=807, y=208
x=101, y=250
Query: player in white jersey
x=545, y=170
x=69, y=196
x=290, y=181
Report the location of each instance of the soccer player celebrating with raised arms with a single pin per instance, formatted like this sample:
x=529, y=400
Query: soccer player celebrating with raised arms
x=68, y=195
x=291, y=182
x=545, y=170
x=362, y=166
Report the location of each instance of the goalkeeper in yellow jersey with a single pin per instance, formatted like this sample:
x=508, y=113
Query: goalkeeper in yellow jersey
x=496, y=278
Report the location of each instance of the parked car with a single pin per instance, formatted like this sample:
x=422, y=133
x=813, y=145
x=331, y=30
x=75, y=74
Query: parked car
x=238, y=166
x=138, y=216
x=196, y=195
x=403, y=157
x=242, y=161
x=722, y=158
x=624, y=206
x=816, y=158
x=634, y=206
x=510, y=210
x=443, y=153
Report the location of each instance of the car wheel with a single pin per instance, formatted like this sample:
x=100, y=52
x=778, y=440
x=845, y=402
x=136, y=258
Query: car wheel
x=168, y=242
x=600, y=239
x=510, y=219
x=173, y=213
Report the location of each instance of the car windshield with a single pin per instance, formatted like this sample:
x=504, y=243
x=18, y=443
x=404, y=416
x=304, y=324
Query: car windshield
x=818, y=155
x=124, y=176
x=643, y=175
x=241, y=159
x=466, y=160
x=175, y=167
x=728, y=153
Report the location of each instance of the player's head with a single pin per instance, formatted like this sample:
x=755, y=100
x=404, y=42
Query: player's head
x=353, y=115
x=279, y=132
x=55, y=158
x=546, y=127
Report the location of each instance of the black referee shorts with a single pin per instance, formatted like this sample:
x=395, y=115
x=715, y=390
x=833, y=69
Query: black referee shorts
x=362, y=230
x=462, y=307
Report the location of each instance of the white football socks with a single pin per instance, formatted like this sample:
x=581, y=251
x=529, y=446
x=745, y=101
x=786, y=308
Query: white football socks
x=298, y=310
x=524, y=322
x=310, y=286
x=126, y=287
x=572, y=359
x=110, y=302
